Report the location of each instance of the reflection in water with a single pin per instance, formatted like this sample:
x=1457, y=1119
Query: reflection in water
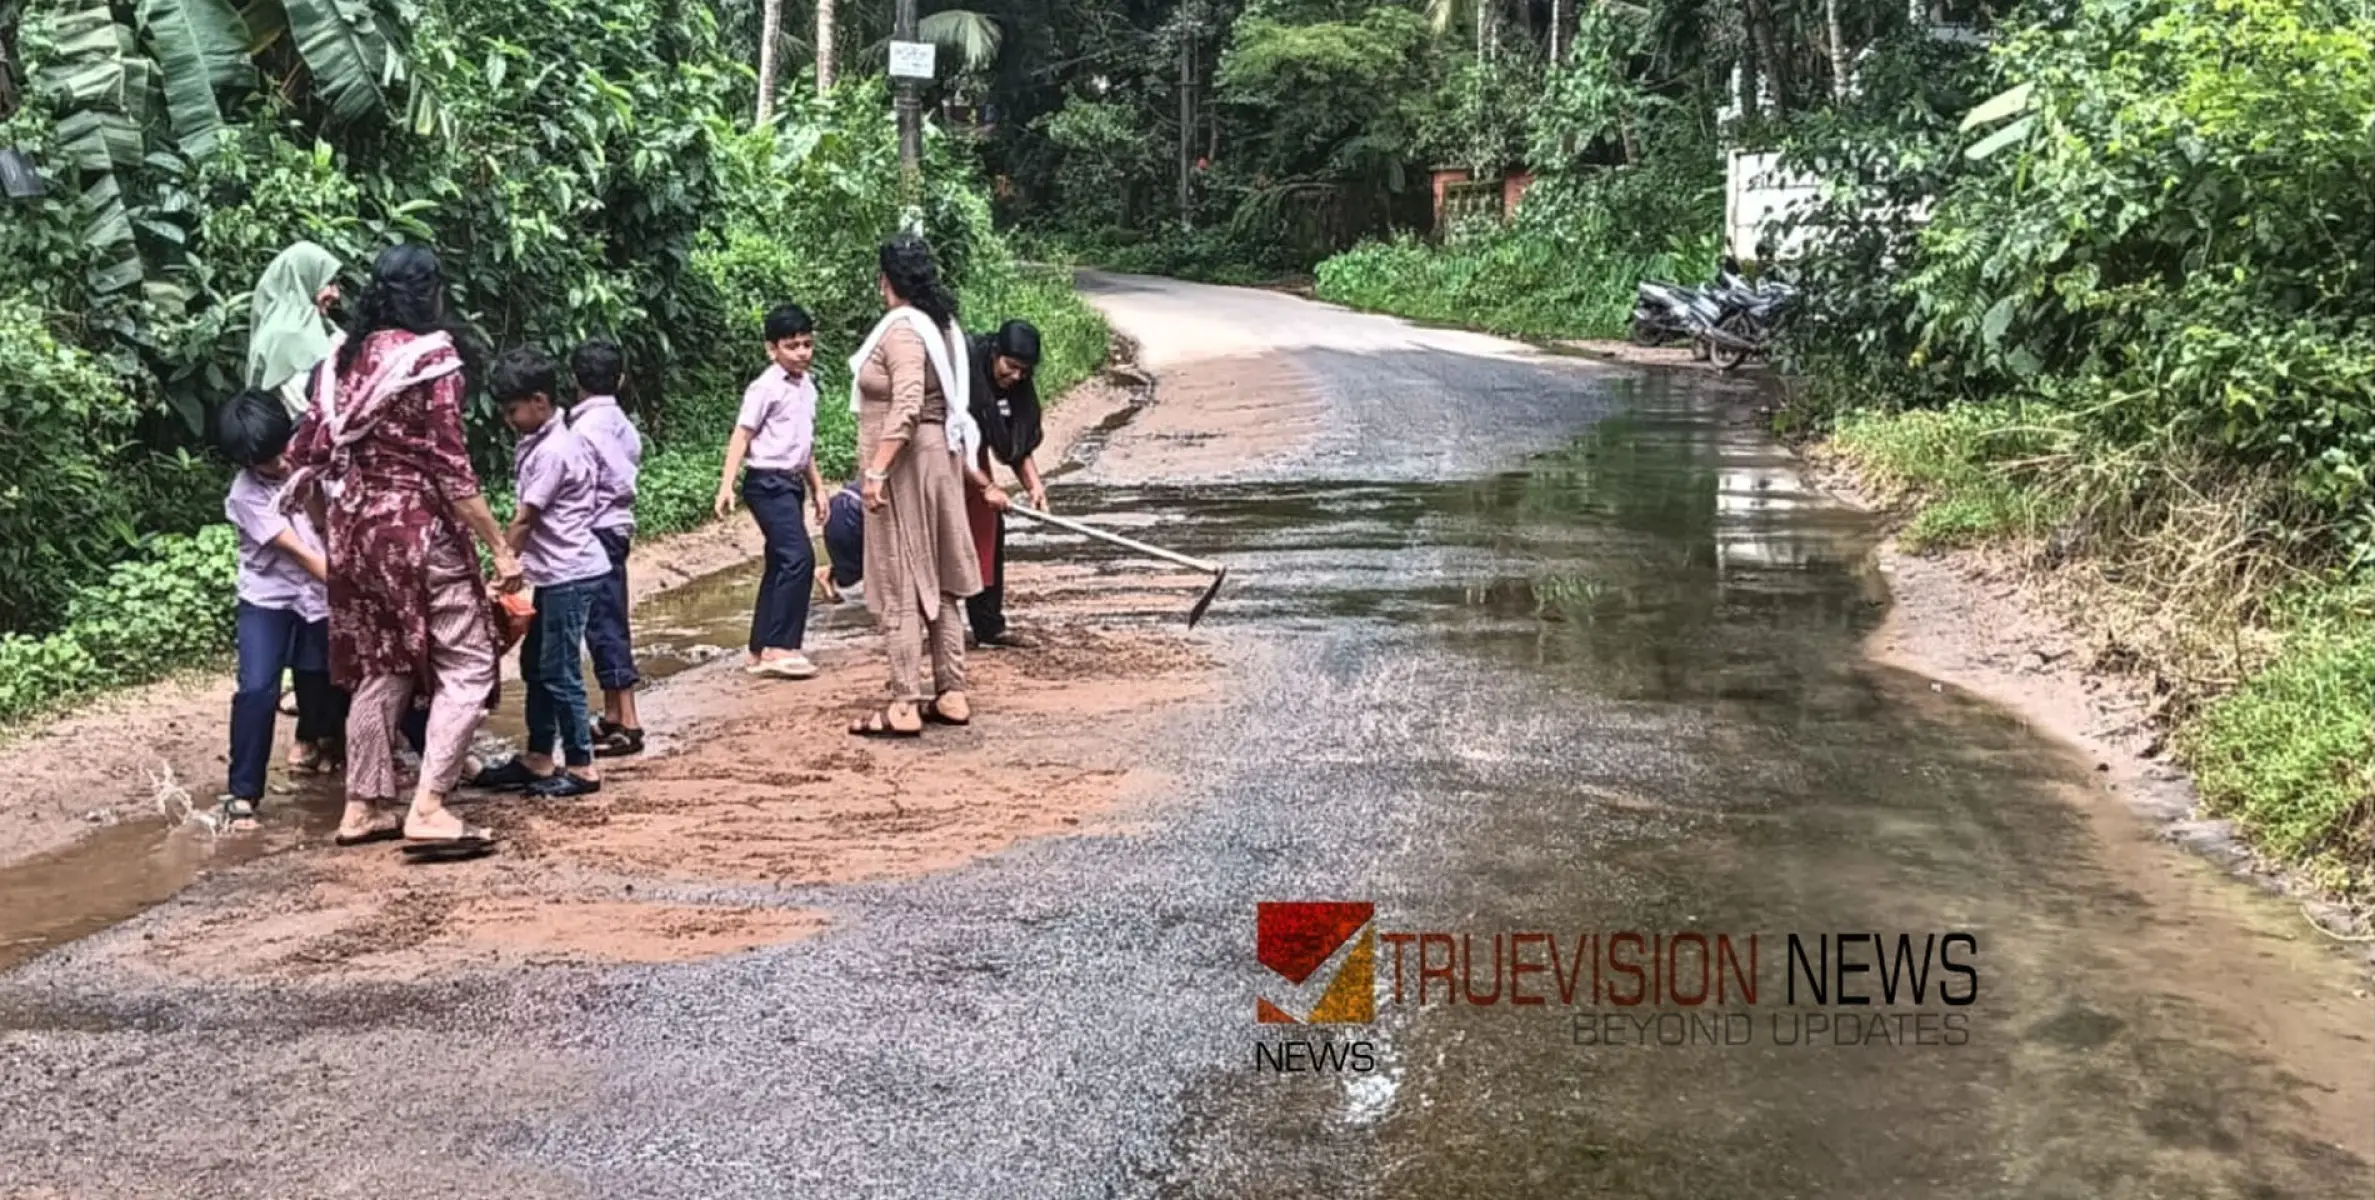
x=1621, y=689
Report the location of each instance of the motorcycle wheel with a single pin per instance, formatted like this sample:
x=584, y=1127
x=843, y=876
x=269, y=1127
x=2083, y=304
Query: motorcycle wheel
x=1646, y=332
x=1700, y=349
x=1739, y=325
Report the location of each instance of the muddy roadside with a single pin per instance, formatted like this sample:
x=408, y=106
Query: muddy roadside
x=750, y=790
x=160, y=748
x=1984, y=621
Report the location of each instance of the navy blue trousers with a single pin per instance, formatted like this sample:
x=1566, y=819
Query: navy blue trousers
x=780, y=619
x=607, y=636
x=273, y=640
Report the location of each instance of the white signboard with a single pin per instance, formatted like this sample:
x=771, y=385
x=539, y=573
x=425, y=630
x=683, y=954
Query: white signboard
x=911, y=60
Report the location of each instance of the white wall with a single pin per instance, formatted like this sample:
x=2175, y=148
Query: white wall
x=1758, y=197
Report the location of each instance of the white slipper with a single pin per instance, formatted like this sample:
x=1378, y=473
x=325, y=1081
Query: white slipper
x=795, y=667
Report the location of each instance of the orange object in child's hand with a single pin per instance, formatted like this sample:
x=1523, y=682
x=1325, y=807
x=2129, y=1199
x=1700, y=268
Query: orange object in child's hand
x=513, y=611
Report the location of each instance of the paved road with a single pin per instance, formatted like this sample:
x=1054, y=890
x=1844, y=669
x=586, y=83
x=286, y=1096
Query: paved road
x=1515, y=644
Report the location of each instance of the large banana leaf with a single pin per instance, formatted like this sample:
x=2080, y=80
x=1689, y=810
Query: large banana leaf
x=350, y=57
x=98, y=141
x=200, y=45
x=86, y=65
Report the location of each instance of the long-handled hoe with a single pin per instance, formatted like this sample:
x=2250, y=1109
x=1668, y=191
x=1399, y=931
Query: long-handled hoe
x=1218, y=572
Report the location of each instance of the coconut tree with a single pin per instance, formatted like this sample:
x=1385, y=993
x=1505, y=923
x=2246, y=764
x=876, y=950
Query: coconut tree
x=824, y=46
x=770, y=32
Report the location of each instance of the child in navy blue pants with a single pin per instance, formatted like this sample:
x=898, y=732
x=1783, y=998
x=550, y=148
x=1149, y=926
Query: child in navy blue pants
x=283, y=621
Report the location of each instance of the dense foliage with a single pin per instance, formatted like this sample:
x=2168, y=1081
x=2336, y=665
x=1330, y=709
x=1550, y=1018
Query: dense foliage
x=2147, y=253
x=594, y=171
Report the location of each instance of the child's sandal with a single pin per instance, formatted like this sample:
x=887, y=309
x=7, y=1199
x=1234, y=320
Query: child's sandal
x=620, y=742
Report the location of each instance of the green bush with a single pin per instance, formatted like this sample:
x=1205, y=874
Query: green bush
x=2291, y=753
x=64, y=512
x=2172, y=243
x=1508, y=280
x=169, y=610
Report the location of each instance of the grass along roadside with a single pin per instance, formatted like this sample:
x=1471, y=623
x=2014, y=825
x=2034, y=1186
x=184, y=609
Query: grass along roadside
x=1514, y=282
x=172, y=609
x=2263, y=672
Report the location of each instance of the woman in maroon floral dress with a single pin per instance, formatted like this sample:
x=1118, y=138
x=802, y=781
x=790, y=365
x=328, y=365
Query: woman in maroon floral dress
x=381, y=460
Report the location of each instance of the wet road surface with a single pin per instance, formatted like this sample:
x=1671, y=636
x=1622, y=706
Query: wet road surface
x=1511, y=644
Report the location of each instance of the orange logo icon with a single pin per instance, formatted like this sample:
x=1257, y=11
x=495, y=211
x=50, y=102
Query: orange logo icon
x=1326, y=954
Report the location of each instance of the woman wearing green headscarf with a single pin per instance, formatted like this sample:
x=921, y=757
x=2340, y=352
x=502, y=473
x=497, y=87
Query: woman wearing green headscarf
x=291, y=333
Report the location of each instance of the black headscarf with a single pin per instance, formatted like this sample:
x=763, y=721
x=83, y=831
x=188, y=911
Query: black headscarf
x=1013, y=436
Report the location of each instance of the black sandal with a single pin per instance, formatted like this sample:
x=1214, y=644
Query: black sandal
x=621, y=741
x=933, y=714
x=239, y=812
x=878, y=725
x=473, y=841
x=510, y=775
x=604, y=727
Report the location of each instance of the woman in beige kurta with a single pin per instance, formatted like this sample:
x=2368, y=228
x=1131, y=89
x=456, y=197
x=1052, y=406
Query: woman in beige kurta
x=920, y=560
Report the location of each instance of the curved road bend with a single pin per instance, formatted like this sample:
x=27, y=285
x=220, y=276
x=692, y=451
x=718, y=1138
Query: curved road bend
x=1513, y=643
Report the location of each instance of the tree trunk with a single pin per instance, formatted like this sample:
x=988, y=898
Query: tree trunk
x=824, y=46
x=1768, y=48
x=1839, y=68
x=770, y=31
x=1554, y=33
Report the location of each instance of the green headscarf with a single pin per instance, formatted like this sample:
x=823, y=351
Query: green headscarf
x=287, y=333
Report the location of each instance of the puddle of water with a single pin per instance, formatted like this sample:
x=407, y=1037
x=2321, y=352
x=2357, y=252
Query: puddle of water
x=120, y=870
x=1659, y=719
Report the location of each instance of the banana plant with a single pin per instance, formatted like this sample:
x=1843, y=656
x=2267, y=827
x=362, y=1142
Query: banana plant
x=102, y=89
x=200, y=47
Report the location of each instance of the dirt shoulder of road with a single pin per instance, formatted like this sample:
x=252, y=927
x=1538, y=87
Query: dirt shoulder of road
x=162, y=745
x=1988, y=622
x=752, y=787
x=749, y=788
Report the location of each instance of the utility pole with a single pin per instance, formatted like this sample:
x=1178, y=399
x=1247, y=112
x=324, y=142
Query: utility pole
x=1187, y=123
x=910, y=106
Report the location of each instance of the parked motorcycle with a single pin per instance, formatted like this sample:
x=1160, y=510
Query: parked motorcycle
x=1748, y=320
x=1730, y=320
x=1661, y=314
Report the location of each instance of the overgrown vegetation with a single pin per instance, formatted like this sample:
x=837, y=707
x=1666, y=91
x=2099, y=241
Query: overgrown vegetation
x=1619, y=132
x=2137, y=331
x=2095, y=278
x=594, y=171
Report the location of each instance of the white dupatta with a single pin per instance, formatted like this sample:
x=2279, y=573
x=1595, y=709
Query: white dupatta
x=951, y=362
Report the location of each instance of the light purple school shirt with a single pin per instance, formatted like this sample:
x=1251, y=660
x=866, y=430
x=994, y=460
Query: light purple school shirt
x=780, y=413
x=269, y=578
x=556, y=471
x=619, y=450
